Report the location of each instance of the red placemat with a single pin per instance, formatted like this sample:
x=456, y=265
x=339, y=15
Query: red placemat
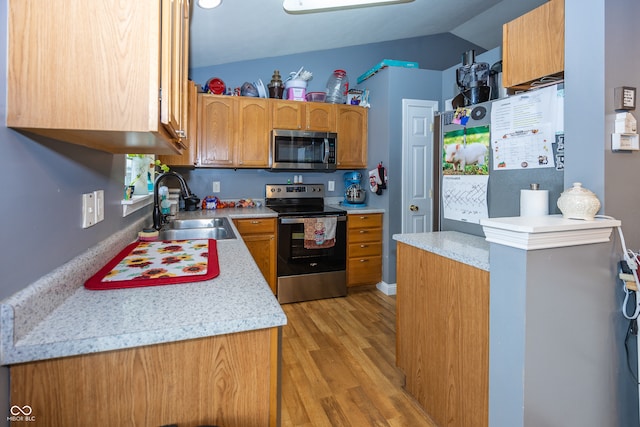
x=158, y=263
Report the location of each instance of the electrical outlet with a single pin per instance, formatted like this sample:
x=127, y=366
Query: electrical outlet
x=88, y=210
x=216, y=186
x=331, y=186
x=98, y=197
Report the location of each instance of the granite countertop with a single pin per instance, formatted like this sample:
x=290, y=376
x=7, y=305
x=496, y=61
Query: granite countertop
x=57, y=317
x=465, y=248
x=352, y=210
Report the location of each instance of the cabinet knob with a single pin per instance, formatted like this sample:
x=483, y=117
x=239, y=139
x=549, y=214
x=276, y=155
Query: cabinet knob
x=255, y=222
x=363, y=246
x=364, y=260
x=364, y=231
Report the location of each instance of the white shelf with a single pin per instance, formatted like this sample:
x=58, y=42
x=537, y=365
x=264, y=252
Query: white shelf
x=544, y=232
x=135, y=203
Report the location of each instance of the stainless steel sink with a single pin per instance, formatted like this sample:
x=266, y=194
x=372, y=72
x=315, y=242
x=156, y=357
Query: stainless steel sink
x=198, y=223
x=206, y=228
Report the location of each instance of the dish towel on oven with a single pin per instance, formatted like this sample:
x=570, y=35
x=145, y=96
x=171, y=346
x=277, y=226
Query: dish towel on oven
x=319, y=232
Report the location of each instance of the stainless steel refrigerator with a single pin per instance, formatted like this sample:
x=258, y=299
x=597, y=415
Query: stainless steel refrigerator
x=458, y=152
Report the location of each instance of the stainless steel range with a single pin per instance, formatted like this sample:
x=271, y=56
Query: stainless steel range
x=312, y=243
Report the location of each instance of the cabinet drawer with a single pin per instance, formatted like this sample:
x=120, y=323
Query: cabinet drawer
x=365, y=235
x=365, y=249
x=256, y=225
x=365, y=221
x=364, y=271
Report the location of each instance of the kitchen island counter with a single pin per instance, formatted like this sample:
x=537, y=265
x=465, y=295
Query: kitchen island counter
x=443, y=297
x=57, y=317
x=465, y=248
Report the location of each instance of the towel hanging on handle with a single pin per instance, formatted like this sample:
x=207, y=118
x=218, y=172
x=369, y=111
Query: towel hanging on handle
x=320, y=232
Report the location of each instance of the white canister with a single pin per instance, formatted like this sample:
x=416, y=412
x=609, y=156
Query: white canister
x=578, y=203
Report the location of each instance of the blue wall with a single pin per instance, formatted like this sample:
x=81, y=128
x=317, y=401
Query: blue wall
x=437, y=52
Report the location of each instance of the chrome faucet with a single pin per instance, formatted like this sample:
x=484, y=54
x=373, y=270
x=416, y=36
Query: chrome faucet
x=159, y=218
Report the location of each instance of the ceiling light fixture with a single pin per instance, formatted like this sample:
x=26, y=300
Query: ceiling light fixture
x=209, y=4
x=310, y=6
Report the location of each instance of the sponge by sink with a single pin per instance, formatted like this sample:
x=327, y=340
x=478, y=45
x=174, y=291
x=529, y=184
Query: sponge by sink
x=148, y=235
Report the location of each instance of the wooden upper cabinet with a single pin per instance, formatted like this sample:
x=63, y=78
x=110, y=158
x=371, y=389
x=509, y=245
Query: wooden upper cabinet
x=533, y=46
x=216, y=129
x=189, y=156
x=321, y=117
x=233, y=131
x=352, y=136
x=253, y=132
x=301, y=115
x=174, y=67
x=92, y=73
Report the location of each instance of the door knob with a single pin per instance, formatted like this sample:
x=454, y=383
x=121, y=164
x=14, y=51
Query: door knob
x=413, y=208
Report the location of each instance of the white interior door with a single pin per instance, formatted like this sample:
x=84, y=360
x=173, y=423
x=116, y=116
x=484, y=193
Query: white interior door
x=417, y=149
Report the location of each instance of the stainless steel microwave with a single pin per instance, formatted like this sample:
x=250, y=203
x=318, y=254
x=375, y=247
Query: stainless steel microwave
x=297, y=149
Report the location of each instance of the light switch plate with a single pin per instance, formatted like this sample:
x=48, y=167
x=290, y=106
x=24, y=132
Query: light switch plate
x=216, y=186
x=88, y=210
x=98, y=197
x=331, y=186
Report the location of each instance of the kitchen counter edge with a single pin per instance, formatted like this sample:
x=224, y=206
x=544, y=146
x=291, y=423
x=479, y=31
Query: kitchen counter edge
x=465, y=248
x=50, y=318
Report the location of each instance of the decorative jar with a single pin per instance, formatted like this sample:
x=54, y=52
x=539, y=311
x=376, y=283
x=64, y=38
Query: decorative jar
x=578, y=203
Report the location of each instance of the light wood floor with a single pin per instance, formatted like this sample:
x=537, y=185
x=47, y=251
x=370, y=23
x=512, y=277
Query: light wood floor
x=338, y=365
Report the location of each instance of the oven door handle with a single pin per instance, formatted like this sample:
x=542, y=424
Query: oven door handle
x=300, y=220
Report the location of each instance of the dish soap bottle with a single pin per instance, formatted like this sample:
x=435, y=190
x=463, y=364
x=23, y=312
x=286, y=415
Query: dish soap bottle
x=165, y=204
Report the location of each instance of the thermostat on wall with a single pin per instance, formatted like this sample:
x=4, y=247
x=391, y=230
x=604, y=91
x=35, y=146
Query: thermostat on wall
x=624, y=98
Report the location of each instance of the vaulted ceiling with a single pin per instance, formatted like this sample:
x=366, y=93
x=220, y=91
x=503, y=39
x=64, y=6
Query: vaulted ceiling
x=241, y=30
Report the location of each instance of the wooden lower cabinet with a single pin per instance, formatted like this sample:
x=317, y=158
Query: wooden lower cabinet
x=259, y=234
x=442, y=336
x=364, y=249
x=227, y=380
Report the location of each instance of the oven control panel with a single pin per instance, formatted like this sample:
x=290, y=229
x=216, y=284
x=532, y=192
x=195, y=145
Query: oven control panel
x=294, y=190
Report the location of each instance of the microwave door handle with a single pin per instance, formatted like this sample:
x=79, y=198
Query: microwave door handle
x=326, y=151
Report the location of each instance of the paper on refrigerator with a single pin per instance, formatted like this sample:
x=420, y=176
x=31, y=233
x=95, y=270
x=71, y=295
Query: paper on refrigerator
x=464, y=197
x=523, y=129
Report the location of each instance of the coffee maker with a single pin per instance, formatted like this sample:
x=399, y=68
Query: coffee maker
x=354, y=193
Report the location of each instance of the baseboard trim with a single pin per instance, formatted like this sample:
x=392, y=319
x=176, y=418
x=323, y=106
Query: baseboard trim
x=386, y=288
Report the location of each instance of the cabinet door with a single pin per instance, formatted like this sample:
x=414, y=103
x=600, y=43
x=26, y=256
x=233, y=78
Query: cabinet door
x=252, y=136
x=287, y=114
x=263, y=249
x=115, y=47
x=259, y=234
x=173, y=69
x=352, y=137
x=189, y=156
x=533, y=45
x=215, y=130
x=320, y=117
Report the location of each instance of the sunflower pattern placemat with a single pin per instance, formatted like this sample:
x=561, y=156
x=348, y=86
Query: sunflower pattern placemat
x=158, y=263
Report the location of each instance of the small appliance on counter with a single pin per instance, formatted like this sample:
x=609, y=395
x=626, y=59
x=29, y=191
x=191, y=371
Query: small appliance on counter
x=354, y=192
x=472, y=80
